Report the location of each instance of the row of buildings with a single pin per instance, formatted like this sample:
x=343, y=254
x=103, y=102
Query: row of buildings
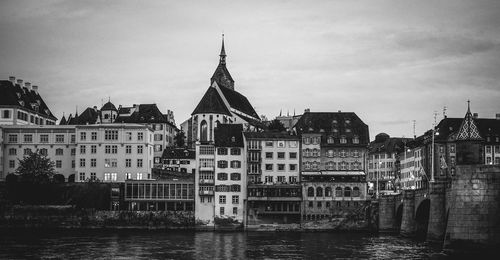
x=233, y=167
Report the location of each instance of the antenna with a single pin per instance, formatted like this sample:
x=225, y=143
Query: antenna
x=444, y=112
x=435, y=116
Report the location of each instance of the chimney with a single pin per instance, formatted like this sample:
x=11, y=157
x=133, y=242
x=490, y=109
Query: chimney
x=475, y=115
x=27, y=85
x=307, y=110
x=35, y=88
x=20, y=82
x=497, y=116
x=12, y=79
x=95, y=108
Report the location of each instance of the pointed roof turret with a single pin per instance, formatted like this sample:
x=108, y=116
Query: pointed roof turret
x=468, y=129
x=63, y=120
x=221, y=74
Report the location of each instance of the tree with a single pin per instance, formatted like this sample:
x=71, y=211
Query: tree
x=276, y=125
x=179, y=139
x=36, y=167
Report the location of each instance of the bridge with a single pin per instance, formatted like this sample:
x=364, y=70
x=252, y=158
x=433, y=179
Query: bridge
x=462, y=211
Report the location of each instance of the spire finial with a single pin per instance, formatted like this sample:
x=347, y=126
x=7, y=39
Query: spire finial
x=222, y=52
x=468, y=105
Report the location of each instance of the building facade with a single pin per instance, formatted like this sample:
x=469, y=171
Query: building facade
x=113, y=152
x=334, y=151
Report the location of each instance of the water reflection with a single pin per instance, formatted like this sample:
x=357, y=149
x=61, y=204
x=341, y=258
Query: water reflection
x=209, y=245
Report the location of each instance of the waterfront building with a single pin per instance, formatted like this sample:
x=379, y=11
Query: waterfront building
x=21, y=104
x=273, y=192
x=412, y=174
x=179, y=160
x=220, y=104
x=113, y=152
x=56, y=142
x=230, y=176
x=382, y=163
x=334, y=149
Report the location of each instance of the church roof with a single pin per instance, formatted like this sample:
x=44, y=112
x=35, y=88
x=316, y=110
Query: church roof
x=17, y=95
x=239, y=102
x=211, y=103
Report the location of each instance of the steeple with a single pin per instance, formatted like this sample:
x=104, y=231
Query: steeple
x=221, y=74
x=222, y=52
x=468, y=129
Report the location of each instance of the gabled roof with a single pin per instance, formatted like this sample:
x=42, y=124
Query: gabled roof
x=143, y=113
x=384, y=143
x=211, y=102
x=16, y=95
x=333, y=123
x=239, y=102
x=63, y=121
x=228, y=135
x=88, y=117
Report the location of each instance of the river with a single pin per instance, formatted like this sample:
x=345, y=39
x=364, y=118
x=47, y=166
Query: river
x=93, y=244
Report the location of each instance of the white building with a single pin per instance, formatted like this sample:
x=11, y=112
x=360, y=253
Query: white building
x=114, y=152
x=57, y=142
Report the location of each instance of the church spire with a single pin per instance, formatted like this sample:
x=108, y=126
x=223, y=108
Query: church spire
x=222, y=52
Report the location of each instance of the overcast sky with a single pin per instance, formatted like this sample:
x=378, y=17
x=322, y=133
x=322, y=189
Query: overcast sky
x=390, y=62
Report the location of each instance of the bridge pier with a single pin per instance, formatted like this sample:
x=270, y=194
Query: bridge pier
x=437, y=214
x=387, y=214
x=408, y=221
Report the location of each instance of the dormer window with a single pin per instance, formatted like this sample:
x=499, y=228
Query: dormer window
x=21, y=103
x=18, y=95
x=330, y=140
x=343, y=140
x=347, y=121
x=233, y=139
x=355, y=140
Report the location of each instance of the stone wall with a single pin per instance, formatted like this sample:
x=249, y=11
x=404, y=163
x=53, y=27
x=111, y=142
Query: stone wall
x=474, y=208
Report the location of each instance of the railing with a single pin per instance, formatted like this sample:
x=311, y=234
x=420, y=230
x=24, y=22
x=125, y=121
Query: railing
x=206, y=181
x=206, y=192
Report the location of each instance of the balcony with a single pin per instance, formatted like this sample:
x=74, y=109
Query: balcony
x=206, y=192
x=207, y=168
x=206, y=181
x=255, y=148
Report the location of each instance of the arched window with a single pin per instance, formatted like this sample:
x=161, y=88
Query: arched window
x=217, y=123
x=330, y=166
x=330, y=140
x=338, y=192
x=355, y=192
x=310, y=192
x=307, y=165
x=328, y=192
x=203, y=131
x=43, y=151
x=319, y=192
x=347, y=192
x=221, y=176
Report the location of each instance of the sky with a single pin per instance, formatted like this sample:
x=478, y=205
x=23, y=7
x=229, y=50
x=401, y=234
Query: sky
x=390, y=62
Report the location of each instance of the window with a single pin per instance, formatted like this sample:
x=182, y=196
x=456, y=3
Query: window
x=72, y=139
x=128, y=162
x=207, y=150
x=206, y=163
x=110, y=134
x=235, y=176
x=236, y=199
x=347, y=192
x=281, y=167
x=114, y=149
x=269, y=155
x=59, y=138
x=306, y=140
x=319, y=192
x=235, y=164
x=107, y=149
x=330, y=166
x=83, y=136
x=343, y=140
x=328, y=192
x=44, y=138
x=268, y=179
x=12, y=151
x=281, y=179
x=139, y=149
x=28, y=138
x=12, y=138
x=269, y=143
x=338, y=192
x=222, y=199
x=6, y=114
x=281, y=155
x=222, y=164
x=235, y=151
x=58, y=164
x=203, y=131
x=82, y=149
x=128, y=149
x=235, y=188
x=93, y=162
x=292, y=167
x=222, y=176
x=44, y=152
x=81, y=176
x=292, y=179
x=293, y=155
x=140, y=136
x=82, y=162
x=12, y=164
x=93, y=176
x=355, y=140
x=355, y=192
x=93, y=149
x=221, y=151
x=269, y=167
x=235, y=210
x=310, y=192
x=128, y=136
x=330, y=140
x=139, y=163
x=73, y=164
x=93, y=136
x=221, y=210
x=343, y=153
x=27, y=151
x=139, y=176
